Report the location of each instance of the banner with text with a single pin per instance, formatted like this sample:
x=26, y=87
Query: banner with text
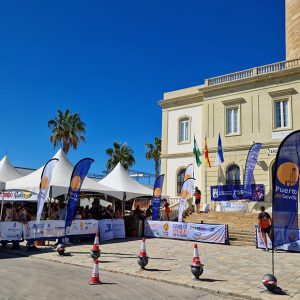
x=187, y=231
x=156, y=199
x=293, y=246
x=11, y=231
x=81, y=227
x=44, y=229
x=236, y=192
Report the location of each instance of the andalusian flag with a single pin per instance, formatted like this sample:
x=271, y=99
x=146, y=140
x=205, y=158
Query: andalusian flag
x=197, y=153
x=207, y=161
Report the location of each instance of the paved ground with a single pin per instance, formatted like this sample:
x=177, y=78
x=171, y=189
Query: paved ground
x=22, y=279
x=228, y=270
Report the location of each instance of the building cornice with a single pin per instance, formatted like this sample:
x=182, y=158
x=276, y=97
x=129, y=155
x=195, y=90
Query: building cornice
x=182, y=100
x=215, y=149
x=247, y=80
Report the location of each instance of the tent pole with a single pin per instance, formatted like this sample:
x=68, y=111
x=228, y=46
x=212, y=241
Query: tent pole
x=123, y=205
x=2, y=205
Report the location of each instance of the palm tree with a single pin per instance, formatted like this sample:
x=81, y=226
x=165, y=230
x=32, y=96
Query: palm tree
x=67, y=130
x=154, y=153
x=119, y=153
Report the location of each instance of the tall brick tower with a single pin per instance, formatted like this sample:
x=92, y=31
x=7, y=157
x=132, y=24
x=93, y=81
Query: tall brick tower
x=292, y=29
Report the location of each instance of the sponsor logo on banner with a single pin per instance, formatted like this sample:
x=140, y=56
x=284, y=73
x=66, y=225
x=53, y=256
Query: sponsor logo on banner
x=165, y=229
x=179, y=230
x=11, y=231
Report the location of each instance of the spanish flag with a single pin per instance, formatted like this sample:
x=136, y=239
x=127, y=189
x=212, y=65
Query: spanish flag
x=207, y=161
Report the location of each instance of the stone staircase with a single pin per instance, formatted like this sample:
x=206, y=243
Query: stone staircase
x=241, y=226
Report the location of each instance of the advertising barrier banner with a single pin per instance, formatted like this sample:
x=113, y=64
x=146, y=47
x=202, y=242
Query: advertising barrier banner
x=234, y=206
x=293, y=246
x=11, y=231
x=44, y=229
x=236, y=192
x=106, y=230
x=187, y=231
x=118, y=229
x=81, y=227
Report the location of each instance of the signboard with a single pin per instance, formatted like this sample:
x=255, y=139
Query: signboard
x=234, y=206
x=11, y=231
x=18, y=195
x=272, y=151
x=80, y=227
x=106, y=230
x=44, y=229
x=187, y=231
x=235, y=192
x=118, y=228
x=294, y=246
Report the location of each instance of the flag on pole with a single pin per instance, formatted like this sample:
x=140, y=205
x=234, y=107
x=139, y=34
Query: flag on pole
x=79, y=172
x=189, y=172
x=285, y=191
x=220, y=156
x=157, y=189
x=197, y=153
x=249, y=169
x=186, y=192
x=44, y=186
x=206, y=157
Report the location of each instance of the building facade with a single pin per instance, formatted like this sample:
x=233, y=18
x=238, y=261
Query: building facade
x=255, y=105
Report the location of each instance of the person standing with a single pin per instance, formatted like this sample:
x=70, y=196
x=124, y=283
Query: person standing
x=264, y=225
x=197, y=196
x=167, y=209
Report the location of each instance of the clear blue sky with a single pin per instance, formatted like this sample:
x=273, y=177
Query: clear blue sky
x=111, y=61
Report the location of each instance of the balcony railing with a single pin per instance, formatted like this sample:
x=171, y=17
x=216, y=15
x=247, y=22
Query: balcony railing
x=283, y=65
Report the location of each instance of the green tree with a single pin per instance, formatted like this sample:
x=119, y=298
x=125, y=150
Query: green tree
x=154, y=153
x=67, y=130
x=119, y=153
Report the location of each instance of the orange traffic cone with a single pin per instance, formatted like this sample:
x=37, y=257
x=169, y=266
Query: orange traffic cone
x=196, y=259
x=143, y=252
x=196, y=267
x=96, y=242
x=95, y=276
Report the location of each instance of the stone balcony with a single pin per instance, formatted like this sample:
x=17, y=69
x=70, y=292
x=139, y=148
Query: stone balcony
x=251, y=73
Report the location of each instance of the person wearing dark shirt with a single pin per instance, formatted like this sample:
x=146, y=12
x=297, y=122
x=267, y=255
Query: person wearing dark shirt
x=264, y=225
x=149, y=211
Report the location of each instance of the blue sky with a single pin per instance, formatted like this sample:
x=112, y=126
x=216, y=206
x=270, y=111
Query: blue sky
x=111, y=61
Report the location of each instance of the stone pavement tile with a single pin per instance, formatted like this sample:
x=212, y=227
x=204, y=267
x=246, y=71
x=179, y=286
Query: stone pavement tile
x=232, y=270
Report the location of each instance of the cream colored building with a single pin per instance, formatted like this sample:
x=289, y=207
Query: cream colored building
x=261, y=104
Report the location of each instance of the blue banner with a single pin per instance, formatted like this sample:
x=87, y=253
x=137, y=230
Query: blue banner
x=157, y=197
x=79, y=172
x=249, y=169
x=285, y=191
x=236, y=192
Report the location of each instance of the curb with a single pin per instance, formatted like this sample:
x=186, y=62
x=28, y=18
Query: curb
x=229, y=295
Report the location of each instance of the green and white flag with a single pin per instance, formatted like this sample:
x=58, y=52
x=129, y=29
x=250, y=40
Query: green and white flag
x=197, y=153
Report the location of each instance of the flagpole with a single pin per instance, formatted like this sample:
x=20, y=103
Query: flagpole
x=205, y=185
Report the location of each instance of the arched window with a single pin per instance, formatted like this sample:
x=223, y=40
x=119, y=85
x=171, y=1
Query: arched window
x=180, y=180
x=233, y=175
x=184, y=130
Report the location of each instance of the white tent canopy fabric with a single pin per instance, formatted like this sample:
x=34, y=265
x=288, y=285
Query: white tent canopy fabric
x=120, y=180
x=7, y=172
x=60, y=180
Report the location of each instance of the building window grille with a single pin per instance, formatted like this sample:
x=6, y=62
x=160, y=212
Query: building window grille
x=180, y=180
x=281, y=114
x=184, y=130
x=232, y=120
x=233, y=175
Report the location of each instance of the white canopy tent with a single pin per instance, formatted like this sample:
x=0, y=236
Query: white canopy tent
x=7, y=172
x=60, y=180
x=120, y=180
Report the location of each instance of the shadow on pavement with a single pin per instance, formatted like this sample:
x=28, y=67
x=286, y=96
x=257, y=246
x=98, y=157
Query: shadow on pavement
x=210, y=279
x=156, y=270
